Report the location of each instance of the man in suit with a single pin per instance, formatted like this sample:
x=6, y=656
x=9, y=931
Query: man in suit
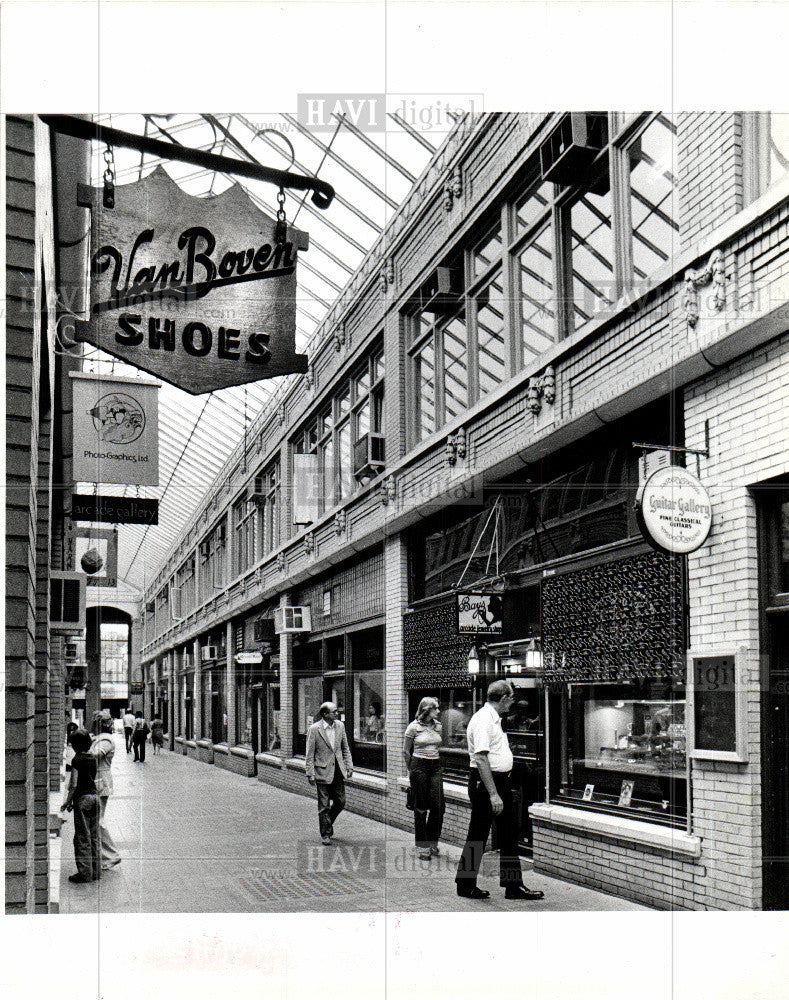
x=329, y=763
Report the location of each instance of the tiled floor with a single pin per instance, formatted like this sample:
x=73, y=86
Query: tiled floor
x=195, y=838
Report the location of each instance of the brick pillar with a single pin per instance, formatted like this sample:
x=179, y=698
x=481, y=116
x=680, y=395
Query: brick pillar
x=197, y=707
x=230, y=681
x=171, y=695
x=286, y=687
x=396, y=599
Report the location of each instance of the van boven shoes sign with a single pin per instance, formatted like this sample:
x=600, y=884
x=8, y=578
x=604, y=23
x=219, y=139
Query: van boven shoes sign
x=194, y=290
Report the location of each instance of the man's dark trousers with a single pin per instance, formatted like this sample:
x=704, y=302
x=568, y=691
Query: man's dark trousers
x=127, y=732
x=478, y=829
x=331, y=801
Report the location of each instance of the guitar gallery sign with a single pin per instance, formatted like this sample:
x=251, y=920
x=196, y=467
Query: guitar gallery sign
x=197, y=291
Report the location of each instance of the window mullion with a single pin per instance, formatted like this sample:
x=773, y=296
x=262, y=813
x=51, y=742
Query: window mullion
x=621, y=222
x=563, y=270
x=438, y=374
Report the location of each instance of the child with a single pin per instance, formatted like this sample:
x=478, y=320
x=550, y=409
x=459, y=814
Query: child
x=84, y=800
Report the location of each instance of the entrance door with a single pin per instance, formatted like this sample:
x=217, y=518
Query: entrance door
x=775, y=767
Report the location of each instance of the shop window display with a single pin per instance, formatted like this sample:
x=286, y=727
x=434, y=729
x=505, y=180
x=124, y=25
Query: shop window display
x=369, y=698
x=626, y=749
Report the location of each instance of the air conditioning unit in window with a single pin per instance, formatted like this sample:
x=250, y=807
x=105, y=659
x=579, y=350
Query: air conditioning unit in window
x=207, y=653
x=258, y=492
x=187, y=663
x=368, y=456
x=572, y=145
x=442, y=291
x=150, y=607
x=292, y=619
x=66, y=602
x=70, y=651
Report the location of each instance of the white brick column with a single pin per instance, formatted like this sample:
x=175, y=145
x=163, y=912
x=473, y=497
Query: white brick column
x=395, y=601
x=197, y=709
x=230, y=682
x=286, y=686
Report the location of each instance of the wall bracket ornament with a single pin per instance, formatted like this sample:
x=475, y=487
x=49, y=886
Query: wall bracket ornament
x=282, y=562
x=340, y=522
x=309, y=543
x=541, y=387
x=456, y=446
x=453, y=188
x=388, y=491
x=713, y=274
x=339, y=337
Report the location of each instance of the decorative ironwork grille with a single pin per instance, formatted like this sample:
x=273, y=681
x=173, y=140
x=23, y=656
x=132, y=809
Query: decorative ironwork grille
x=619, y=621
x=435, y=655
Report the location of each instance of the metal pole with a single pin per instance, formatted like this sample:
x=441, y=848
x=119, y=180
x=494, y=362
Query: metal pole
x=84, y=128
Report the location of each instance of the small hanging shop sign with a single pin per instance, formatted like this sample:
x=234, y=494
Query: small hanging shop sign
x=674, y=511
x=114, y=510
x=479, y=614
x=200, y=292
x=116, y=430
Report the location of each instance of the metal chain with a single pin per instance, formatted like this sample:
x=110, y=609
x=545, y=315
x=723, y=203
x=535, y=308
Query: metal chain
x=109, y=177
x=281, y=231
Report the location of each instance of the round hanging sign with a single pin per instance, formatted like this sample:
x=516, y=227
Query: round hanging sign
x=674, y=511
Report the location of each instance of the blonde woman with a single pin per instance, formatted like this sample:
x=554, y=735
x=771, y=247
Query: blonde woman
x=420, y=751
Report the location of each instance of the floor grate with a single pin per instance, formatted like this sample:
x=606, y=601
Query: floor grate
x=270, y=888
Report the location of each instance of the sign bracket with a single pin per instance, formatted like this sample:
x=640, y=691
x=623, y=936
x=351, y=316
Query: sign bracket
x=705, y=451
x=84, y=128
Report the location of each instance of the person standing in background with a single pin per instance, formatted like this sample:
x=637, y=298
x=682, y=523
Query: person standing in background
x=82, y=797
x=139, y=737
x=128, y=728
x=103, y=749
x=157, y=735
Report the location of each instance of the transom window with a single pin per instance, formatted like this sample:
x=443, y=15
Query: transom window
x=545, y=261
x=333, y=434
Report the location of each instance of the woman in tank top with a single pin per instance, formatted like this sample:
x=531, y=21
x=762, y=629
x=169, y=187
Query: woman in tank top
x=420, y=750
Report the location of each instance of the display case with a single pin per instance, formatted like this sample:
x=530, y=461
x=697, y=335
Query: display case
x=626, y=750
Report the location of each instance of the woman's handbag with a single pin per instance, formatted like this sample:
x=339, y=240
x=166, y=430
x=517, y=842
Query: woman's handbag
x=409, y=798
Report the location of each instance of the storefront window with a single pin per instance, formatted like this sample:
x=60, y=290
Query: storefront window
x=309, y=696
x=187, y=696
x=272, y=717
x=457, y=705
x=205, y=703
x=625, y=749
x=243, y=735
x=369, y=697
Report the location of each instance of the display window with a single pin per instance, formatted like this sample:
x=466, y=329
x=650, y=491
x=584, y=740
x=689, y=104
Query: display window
x=187, y=700
x=367, y=715
x=624, y=749
x=456, y=705
x=243, y=734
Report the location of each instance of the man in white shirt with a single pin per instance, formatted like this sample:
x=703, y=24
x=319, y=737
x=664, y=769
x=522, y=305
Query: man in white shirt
x=328, y=764
x=128, y=728
x=489, y=792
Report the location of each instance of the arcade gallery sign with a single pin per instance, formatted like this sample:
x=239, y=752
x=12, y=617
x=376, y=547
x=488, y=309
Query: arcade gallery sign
x=674, y=510
x=197, y=291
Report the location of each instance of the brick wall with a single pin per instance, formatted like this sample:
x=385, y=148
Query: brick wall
x=28, y=475
x=747, y=405
x=710, y=167
x=643, y=874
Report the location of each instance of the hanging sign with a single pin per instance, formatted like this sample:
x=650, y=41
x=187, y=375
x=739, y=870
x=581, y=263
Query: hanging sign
x=94, y=551
x=197, y=291
x=674, y=511
x=249, y=658
x=114, y=510
x=479, y=614
x=116, y=430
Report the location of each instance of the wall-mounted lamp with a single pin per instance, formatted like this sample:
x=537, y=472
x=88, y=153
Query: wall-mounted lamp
x=476, y=656
x=534, y=655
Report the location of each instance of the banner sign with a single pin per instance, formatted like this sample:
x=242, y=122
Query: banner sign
x=479, y=614
x=674, y=511
x=116, y=430
x=94, y=552
x=114, y=510
x=197, y=291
